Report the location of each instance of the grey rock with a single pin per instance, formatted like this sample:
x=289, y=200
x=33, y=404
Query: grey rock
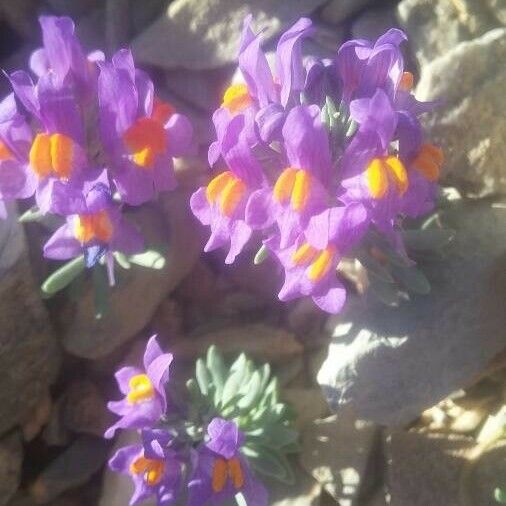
x=373, y=23
x=426, y=469
x=337, y=11
x=498, y=8
x=203, y=34
x=74, y=9
x=139, y=290
x=470, y=124
x=438, y=26
x=70, y=469
x=305, y=492
x=308, y=403
x=390, y=364
x=11, y=457
x=337, y=452
x=29, y=354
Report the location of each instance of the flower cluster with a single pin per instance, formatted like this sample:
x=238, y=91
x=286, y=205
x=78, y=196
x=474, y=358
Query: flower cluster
x=200, y=450
x=83, y=137
x=319, y=154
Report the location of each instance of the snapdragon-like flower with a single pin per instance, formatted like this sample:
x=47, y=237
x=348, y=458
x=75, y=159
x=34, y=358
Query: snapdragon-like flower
x=220, y=471
x=154, y=467
x=144, y=389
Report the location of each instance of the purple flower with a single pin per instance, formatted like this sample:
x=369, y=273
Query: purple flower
x=310, y=262
x=300, y=190
x=154, y=467
x=220, y=471
x=145, y=399
x=99, y=228
x=222, y=204
x=141, y=134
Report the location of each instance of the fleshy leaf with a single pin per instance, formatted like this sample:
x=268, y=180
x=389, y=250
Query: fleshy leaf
x=63, y=276
x=151, y=259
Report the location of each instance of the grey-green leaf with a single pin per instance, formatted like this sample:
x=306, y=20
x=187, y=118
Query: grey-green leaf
x=413, y=279
x=261, y=255
x=150, y=259
x=269, y=462
x=218, y=370
x=203, y=376
x=63, y=276
x=32, y=214
x=500, y=495
x=253, y=391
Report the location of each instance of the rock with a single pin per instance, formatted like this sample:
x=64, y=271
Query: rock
x=390, y=364
x=170, y=42
x=70, y=469
x=117, y=489
x=39, y=418
x=257, y=340
x=11, y=458
x=498, y=8
x=426, y=469
x=438, y=26
x=305, y=492
x=337, y=451
x=470, y=125
x=306, y=321
x=21, y=16
x=373, y=23
x=168, y=319
x=337, y=11
x=143, y=14
x=308, y=403
x=74, y=9
x=91, y=29
x=84, y=409
x=29, y=354
x=139, y=290
x=291, y=373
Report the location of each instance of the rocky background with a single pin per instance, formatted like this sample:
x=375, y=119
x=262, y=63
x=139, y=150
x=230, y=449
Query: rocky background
x=410, y=386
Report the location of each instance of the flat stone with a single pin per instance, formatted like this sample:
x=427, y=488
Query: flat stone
x=426, y=469
x=337, y=11
x=203, y=34
x=70, y=469
x=373, y=23
x=308, y=403
x=438, y=26
x=470, y=124
x=29, y=354
x=259, y=341
x=139, y=290
x=11, y=458
x=390, y=364
x=337, y=451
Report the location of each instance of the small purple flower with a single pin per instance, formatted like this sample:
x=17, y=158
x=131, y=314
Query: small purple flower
x=220, y=471
x=300, y=191
x=141, y=134
x=222, y=204
x=145, y=399
x=154, y=467
x=99, y=228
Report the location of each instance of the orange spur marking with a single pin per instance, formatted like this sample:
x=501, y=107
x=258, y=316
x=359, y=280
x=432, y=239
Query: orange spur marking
x=381, y=171
x=301, y=190
x=429, y=160
x=235, y=472
x=284, y=185
x=236, y=98
x=52, y=154
x=162, y=111
x=321, y=266
x=145, y=140
x=5, y=152
x=219, y=478
x=141, y=389
x=93, y=226
x=228, y=190
x=304, y=255
x=151, y=469
x=407, y=81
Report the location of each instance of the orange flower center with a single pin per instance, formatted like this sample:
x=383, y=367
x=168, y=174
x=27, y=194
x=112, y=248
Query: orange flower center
x=293, y=185
x=381, y=172
x=52, y=154
x=5, y=152
x=236, y=98
x=141, y=389
x=93, y=226
x=146, y=140
x=407, y=81
x=227, y=190
x=223, y=470
x=162, y=111
x=151, y=469
x=319, y=262
x=429, y=160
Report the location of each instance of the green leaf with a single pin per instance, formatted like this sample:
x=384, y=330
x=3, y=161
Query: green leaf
x=240, y=374
x=386, y=292
x=218, y=370
x=32, y=214
x=194, y=390
x=203, y=377
x=374, y=266
x=428, y=239
x=253, y=391
x=500, y=495
x=240, y=500
x=122, y=260
x=274, y=436
x=150, y=259
x=268, y=462
x=261, y=255
x=100, y=291
x=413, y=279
x=352, y=128
x=63, y=276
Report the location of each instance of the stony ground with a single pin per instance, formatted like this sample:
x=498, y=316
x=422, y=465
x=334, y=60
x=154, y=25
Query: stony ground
x=410, y=387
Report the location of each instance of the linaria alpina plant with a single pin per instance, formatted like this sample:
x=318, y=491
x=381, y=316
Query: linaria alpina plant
x=325, y=159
